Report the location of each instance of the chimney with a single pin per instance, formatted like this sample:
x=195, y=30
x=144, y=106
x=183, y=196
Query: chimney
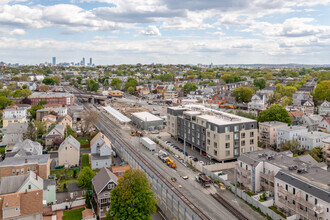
x=25, y=191
x=25, y=160
x=36, y=174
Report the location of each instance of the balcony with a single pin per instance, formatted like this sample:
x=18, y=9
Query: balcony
x=267, y=187
x=269, y=177
x=245, y=180
x=244, y=172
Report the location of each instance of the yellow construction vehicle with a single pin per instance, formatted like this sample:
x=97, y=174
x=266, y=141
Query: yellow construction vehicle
x=170, y=163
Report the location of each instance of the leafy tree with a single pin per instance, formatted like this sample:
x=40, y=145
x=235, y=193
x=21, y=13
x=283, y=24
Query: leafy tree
x=49, y=81
x=188, y=87
x=243, y=94
x=133, y=197
x=41, y=128
x=131, y=82
x=85, y=178
x=44, y=88
x=24, y=86
x=92, y=85
x=79, y=79
x=260, y=83
x=292, y=145
x=116, y=83
x=88, y=200
x=316, y=153
x=69, y=132
x=56, y=79
x=4, y=102
x=131, y=90
x=322, y=91
x=275, y=113
x=31, y=132
x=268, y=76
x=33, y=110
x=22, y=93
x=277, y=82
x=286, y=101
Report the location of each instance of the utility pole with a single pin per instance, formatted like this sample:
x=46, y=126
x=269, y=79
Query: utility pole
x=235, y=184
x=184, y=150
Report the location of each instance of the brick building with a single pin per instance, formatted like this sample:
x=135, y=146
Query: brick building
x=65, y=99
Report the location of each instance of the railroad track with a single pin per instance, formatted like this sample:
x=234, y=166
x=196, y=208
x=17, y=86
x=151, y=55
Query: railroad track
x=229, y=207
x=179, y=194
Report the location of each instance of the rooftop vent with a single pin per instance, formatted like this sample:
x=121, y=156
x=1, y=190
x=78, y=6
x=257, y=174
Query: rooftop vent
x=293, y=167
x=302, y=170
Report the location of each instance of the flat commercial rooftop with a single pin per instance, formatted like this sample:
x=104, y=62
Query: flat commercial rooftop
x=119, y=116
x=146, y=116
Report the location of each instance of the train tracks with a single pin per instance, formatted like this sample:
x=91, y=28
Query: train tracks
x=229, y=207
x=179, y=194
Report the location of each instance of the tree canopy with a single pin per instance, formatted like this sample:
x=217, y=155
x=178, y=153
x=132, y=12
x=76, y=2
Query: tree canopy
x=85, y=178
x=260, y=83
x=133, y=197
x=188, y=87
x=243, y=94
x=4, y=102
x=49, y=81
x=322, y=91
x=131, y=82
x=92, y=85
x=275, y=113
x=116, y=83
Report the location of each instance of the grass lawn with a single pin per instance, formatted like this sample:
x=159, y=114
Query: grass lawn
x=84, y=161
x=2, y=150
x=277, y=211
x=83, y=140
x=250, y=193
x=75, y=214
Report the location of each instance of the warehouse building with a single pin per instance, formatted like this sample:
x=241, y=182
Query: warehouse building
x=147, y=121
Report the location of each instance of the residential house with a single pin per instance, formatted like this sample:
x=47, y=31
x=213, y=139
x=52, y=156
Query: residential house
x=56, y=132
x=324, y=125
x=22, y=205
x=75, y=192
x=170, y=95
x=216, y=99
x=326, y=150
x=311, y=122
x=41, y=113
x=308, y=108
x=144, y=90
x=101, y=151
x=13, y=134
x=120, y=170
x=268, y=132
x=160, y=89
x=12, y=166
x=310, y=140
x=285, y=134
x=13, y=115
x=324, y=108
x=116, y=93
x=49, y=120
x=258, y=102
x=69, y=152
x=65, y=121
x=295, y=116
x=300, y=97
x=198, y=95
x=180, y=91
x=103, y=182
x=268, y=92
x=25, y=148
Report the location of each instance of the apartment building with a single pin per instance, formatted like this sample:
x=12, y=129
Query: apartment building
x=220, y=135
x=309, y=140
x=268, y=132
x=303, y=192
x=14, y=115
x=288, y=134
x=256, y=170
x=171, y=95
x=326, y=150
x=62, y=98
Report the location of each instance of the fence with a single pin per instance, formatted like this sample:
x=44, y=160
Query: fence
x=167, y=201
x=67, y=205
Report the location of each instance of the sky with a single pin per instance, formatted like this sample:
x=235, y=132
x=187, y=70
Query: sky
x=165, y=31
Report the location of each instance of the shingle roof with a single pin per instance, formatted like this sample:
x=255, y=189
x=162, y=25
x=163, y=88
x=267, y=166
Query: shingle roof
x=102, y=178
x=70, y=140
x=18, y=161
x=74, y=187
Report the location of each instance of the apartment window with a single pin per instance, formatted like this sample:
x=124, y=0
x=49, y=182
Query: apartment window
x=293, y=202
x=198, y=135
x=208, y=141
x=215, y=136
x=294, y=191
x=286, y=187
x=243, y=127
x=202, y=122
x=236, y=128
x=193, y=126
x=315, y=202
x=236, y=152
x=251, y=141
x=208, y=134
x=227, y=137
x=193, y=139
x=243, y=150
x=235, y=136
x=243, y=135
x=226, y=129
x=251, y=148
x=13, y=171
x=215, y=153
x=215, y=145
x=22, y=170
x=251, y=134
x=307, y=197
x=227, y=152
x=227, y=145
x=29, y=186
x=208, y=149
x=252, y=126
x=216, y=129
x=242, y=143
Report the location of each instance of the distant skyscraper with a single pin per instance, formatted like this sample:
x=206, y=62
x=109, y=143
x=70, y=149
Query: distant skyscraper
x=54, y=61
x=90, y=61
x=83, y=62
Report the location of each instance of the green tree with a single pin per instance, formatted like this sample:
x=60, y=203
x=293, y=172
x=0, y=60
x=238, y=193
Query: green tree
x=243, y=94
x=316, y=153
x=85, y=178
x=24, y=86
x=268, y=76
x=260, y=83
x=57, y=79
x=41, y=127
x=92, y=85
x=116, y=83
x=69, y=132
x=286, y=101
x=131, y=90
x=292, y=145
x=131, y=82
x=48, y=81
x=4, y=102
x=275, y=113
x=22, y=93
x=188, y=87
x=33, y=110
x=322, y=91
x=79, y=79
x=31, y=132
x=133, y=197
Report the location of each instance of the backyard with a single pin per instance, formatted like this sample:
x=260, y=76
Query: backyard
x=84, y=161
x=83, y=140
x=75, y=214
x=65, y=176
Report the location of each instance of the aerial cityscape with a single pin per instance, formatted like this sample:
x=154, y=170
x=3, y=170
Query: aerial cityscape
x=163, y=110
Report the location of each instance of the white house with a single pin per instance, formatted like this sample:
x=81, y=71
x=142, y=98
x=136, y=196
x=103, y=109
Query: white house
x=324, y=108
x=309, y=140
x=324, y=125
x=100, y=151
x=288, y=134
x=69, y=152
x=258, y=102
x=29, y=147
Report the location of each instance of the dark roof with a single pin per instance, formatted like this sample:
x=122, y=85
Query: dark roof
x=102, y=178
x=74, y=187
x=304, y=186
x=49, y=182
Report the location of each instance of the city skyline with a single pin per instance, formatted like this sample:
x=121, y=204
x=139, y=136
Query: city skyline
x=187, y=32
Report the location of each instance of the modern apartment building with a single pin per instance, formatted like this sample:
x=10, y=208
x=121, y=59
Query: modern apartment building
x=220, y=135
x=288, y=134
x=268, y=132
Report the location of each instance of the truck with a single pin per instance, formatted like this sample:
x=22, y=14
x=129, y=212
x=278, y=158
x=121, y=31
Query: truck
x=170, y=163
x=204, y=180
x=148, y=143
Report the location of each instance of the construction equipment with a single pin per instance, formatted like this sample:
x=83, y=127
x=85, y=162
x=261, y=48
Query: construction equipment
x=136, y=133
x=203, y=179
x=170, y=163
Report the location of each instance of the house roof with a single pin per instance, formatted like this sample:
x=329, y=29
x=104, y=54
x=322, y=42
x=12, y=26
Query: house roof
x=18, y=161
x=75, y=187
x=58, y=128
x=71, y=141
x=102, y=178
x=102, y=136
x=26, y=145
x=117, y=169
x=61, y=118
x=295, y=114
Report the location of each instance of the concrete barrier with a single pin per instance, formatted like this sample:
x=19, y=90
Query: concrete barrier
x=220, y=166
x=68, y=205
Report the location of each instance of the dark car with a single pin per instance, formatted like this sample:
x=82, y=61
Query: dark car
x=195, y=159
x=186, y=153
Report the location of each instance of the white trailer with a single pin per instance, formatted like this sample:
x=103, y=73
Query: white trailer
x=148, y=143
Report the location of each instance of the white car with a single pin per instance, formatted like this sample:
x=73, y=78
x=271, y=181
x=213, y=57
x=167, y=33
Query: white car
x=185, y=177
x=201, y=162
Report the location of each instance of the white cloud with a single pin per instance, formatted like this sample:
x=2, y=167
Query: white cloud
x=151, y=30
x=17, y=32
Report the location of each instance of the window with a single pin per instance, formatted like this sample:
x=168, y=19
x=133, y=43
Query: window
x=294, y=191
x=251, y=141
x=293, y=202
x=243, y=150
x=236, y=128
x=252, y=126
x=215, y=145
x=241, y=164
x=227, y=145
x=251, y=148
x=315, y=202
x=29, y=186
x=13, y=171
x=208, y=149
x=208, y=134
x=286, y=187
x=236, y=151
x=227, y=137
x=227, y=152
x=111, y=186
x=251, y=134
x=235, y=136
x=226, y=129
x=75, y=193
x=208, y=141
x=243, y=135
x=242, y=143
x=307, y=197
x=215, y=136
x=215, y=153
x=22, y=170
x=83, y=192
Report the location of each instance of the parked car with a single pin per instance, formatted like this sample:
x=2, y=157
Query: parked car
x=185, y=177
x=173, y=179
x=195, y=159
